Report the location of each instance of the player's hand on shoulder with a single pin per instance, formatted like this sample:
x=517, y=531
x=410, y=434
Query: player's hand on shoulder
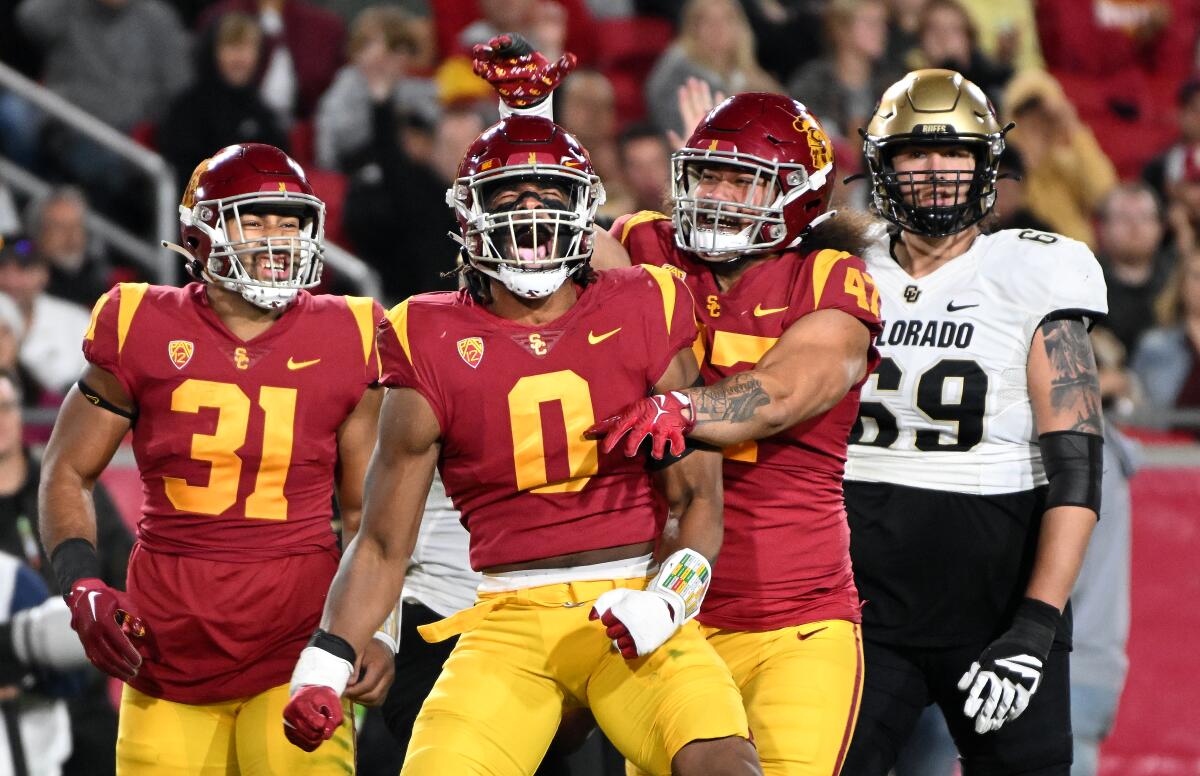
x=665, y=418
x=107, y=624
x=374, y=676
x=521, y=74
x=1001, y=683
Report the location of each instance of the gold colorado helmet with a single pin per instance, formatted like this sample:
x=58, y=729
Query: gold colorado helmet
x=937, y=108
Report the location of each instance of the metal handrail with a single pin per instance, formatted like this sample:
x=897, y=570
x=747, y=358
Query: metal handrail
x=165, y=196
x=144, y=253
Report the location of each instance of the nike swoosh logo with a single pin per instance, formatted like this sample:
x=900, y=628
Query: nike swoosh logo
x=594, y=339
x=301, y=364
x=92, y=602
x=951, y=307
x=810, y=634
x=759, y=311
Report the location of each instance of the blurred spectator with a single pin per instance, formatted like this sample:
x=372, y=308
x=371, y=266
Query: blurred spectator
x=904, y=20
x=1068, y=174
x=395, y=210
x=303, y=51
x=1129, y=234
x=383, y=41
x=947, y=38
x=1007, y=31
x=27, y=696
x=842, y=86
x=788, y=33
x=223, y=106
x=1182, y=176
x=1167, y=359
x=1100, y=607
x=120, y=60
x=54, y=327
x=1187, y=118
x=12, y=331
x=93, y=718
x=9, y=220
x=1011, y=210
x=57, y=224
x=553, y=26
x=716, y=45
x=646, y=167
x=586, y=106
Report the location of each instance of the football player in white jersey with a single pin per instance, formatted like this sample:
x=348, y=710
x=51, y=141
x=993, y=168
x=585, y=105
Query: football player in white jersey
x=973, y=478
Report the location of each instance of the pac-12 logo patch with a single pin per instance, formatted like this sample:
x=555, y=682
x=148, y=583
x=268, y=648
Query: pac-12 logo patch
x=471, y=350
x=180, y=352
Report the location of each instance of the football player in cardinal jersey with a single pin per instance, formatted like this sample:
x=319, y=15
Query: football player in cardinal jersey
x=252, y=403
x=787, y=325
x=974, y=474
x=494, y=386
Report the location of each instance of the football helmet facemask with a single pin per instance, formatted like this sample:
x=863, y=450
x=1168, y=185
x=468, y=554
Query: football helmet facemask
x=781, y=144
x=252, y=179
x=934, y=108
x=526, y=199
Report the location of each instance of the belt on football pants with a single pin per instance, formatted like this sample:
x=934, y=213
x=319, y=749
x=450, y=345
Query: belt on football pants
x=561, y=595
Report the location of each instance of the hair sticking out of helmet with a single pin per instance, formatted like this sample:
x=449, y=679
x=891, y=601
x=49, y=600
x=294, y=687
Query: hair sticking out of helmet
x=229, y=236
x=754, y=178
x=526, y=199
x=933, y=109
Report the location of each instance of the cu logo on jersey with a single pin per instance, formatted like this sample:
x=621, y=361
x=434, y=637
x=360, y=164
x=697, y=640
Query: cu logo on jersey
x=911, y=294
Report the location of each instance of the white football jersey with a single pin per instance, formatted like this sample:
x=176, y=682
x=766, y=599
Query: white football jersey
x=439, y=573
x=948, y=407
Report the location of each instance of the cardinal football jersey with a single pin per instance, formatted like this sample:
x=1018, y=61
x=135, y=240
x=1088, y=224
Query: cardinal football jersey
x=513, y=402
x=236, y=443
x=948, y=406
x=785, y=559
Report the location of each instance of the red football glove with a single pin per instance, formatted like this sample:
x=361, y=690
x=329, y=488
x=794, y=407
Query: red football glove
x=520, y=73
x=665, y=418
x=311, y=716
x=104, y=620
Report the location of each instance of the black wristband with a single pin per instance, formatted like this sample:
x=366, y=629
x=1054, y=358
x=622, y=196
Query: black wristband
x=73, y=560
x=334, y=645
x=1035, y=623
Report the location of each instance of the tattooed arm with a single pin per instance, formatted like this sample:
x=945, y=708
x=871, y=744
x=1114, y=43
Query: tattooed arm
x=812, y=366
x=1065, y=393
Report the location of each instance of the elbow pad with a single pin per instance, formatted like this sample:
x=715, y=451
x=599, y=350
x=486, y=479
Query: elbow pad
x=1074, y=463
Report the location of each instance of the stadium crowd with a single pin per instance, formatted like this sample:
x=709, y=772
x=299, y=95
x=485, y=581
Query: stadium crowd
x=378, y=101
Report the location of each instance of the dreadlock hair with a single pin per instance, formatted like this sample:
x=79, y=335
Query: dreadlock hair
x=850, y=230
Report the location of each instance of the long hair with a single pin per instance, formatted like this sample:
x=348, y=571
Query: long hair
x=745, y=63
x=1169, y=306
x=853, y=231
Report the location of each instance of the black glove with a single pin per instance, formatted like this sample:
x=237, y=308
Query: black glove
x=1008, y=673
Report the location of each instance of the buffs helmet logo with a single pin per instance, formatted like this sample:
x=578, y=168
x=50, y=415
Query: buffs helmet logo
x=180, y=352
x=471, y=350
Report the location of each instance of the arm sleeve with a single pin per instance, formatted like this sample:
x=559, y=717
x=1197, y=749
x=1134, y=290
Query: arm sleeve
x=398, y=363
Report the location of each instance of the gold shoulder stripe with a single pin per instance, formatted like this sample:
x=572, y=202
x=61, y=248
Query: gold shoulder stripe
x=640, y=217
x=91, y=331
x=398, y=315
x=131, y=297
x=666, y=285
x=824, y=262
x=362, y=307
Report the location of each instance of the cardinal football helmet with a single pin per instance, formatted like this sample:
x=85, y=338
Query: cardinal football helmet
x=532, y=251
x=782, y=144
x=259, y=179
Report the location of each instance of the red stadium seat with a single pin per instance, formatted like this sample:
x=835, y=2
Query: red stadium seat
x=331, y=187
x=302, y=139
x=628, y=49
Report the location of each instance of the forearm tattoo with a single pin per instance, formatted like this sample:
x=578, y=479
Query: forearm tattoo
x=1074, y=386
x=734, y=400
